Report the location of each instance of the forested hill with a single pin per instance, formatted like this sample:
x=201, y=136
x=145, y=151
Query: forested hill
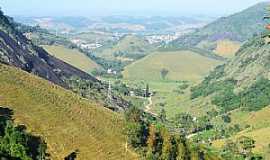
x=238, y=27
x=17, y=50
x=243, y=82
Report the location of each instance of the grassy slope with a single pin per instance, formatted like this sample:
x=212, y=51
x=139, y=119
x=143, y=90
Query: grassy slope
x=227, y=48
x=174, y=102
x=182, y=65
x=259, y=128
x=73, y=57
x=62, y=118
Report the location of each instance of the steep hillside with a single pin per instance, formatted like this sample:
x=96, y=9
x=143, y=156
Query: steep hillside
x=243, y=82
x=181, y=65
x=17, y=50
x=64, y=120
x=227, y=48
x=73, y=57
x=238, y=27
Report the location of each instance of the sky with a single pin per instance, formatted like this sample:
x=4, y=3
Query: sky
x=89, y=8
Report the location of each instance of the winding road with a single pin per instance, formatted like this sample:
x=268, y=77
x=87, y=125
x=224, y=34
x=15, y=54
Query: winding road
x=148, y=106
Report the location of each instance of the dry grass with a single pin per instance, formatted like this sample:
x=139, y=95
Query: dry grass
x=66, y=121
x=227, y=48
x=72, y=57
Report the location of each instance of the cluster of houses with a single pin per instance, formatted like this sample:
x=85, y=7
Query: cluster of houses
x=111, y=71
x=84, y=45
x=153, y=39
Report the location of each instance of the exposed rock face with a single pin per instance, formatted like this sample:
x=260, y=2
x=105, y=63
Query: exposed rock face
x=18, y=51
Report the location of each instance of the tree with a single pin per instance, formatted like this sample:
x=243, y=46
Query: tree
x=151, y=141
x=166, y=145
x=147, y=93
x=162, y=115
x=14, y=143
x=183, y=152
x=136, y=127
x=184, y=122
x=164, y=72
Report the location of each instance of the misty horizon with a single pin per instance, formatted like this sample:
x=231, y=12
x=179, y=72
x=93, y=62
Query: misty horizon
x=171, y=8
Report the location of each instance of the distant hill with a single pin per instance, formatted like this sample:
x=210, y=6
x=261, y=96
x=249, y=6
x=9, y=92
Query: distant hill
x=238, y=27
x=128, y=48
x=53, y=23
x=117, y=23
x=63, y=119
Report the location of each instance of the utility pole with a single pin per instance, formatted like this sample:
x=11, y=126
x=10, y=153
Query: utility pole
x=109, y=94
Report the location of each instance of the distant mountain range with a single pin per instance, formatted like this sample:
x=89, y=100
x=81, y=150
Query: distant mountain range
x=121, y=24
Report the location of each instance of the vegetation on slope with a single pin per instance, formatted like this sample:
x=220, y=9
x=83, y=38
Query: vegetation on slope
x=73, y=57
x=16, y=143
x=227, y=48
x=238, y=27
x=241, y=83
x=155, y=142
x=128, y=48
x=65, y=120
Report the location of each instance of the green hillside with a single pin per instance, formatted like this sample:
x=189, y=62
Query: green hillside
x=240, y=89
x=258, y=129
x=128, y=48
x=181, y=65
x=64, y=120
x=72, y=57
x=243, y=82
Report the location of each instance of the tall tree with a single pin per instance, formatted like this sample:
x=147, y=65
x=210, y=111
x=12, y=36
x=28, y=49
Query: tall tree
x=147, y=92
x=162, y=115
x=164, y=72
x=167, y=148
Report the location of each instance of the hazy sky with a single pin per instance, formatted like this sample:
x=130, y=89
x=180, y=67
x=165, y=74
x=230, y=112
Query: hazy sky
x=138, y=7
